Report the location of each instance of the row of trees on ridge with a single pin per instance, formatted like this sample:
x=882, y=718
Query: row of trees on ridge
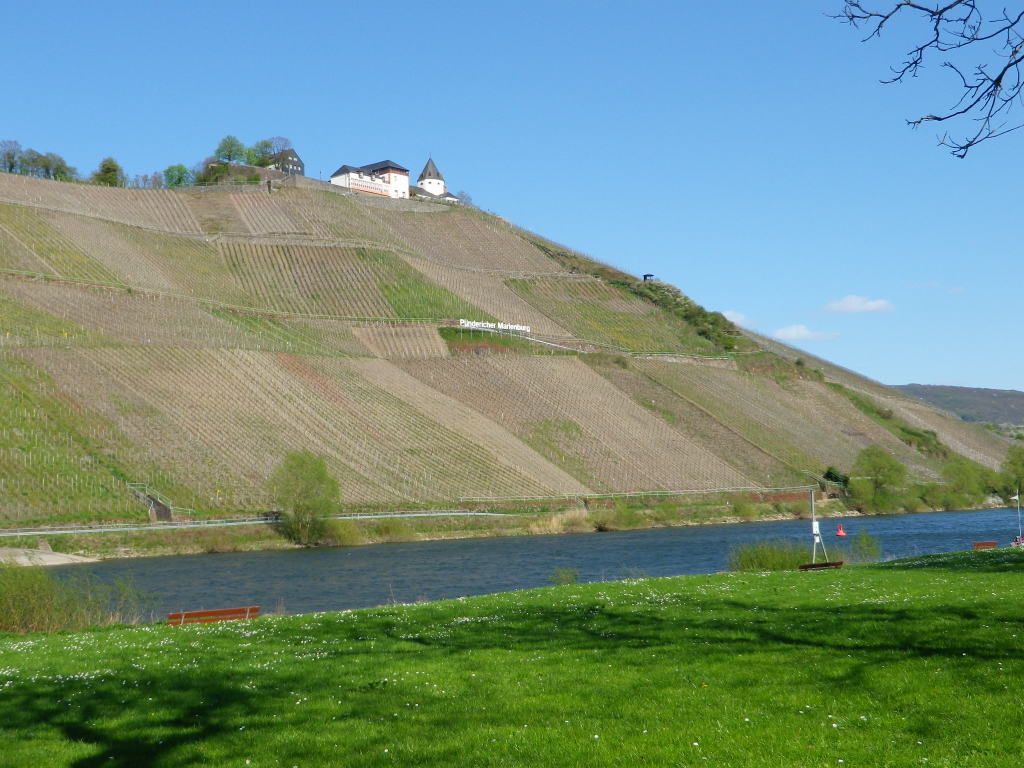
x=230, y=151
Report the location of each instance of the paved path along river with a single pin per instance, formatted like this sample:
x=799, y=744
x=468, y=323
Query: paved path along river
x=300, y=581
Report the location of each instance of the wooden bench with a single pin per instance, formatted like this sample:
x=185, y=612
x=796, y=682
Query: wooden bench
x=217, y=614
x=819, y=566
x=985, y=545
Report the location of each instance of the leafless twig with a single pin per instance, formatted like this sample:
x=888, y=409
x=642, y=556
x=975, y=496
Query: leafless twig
x=988, y=90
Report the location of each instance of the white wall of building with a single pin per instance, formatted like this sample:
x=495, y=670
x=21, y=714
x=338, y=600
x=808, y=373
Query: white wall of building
x=397, y=182
x=433, y=186
x=390, y=184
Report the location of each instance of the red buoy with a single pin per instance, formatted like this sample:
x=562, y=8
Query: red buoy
x=839, y=530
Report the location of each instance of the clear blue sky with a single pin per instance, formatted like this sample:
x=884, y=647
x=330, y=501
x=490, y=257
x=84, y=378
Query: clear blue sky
x=744, y=151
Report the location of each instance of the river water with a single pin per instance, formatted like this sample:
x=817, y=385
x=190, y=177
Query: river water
x=302, y=581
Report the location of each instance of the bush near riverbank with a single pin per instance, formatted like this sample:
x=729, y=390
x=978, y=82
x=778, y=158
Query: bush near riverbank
x=908, y=663
x=32, y=600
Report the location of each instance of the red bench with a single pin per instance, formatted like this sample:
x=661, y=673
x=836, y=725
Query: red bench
x=217, y=614
x=985, y=545
x=819, y=566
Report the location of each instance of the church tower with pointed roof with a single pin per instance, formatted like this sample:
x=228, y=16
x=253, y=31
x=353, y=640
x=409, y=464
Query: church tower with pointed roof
x=431, y=180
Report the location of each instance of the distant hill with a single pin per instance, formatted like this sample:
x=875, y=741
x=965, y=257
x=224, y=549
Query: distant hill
x=187, y=340
x=988, y=406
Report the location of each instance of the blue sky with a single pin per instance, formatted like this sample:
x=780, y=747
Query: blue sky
x=744, y=151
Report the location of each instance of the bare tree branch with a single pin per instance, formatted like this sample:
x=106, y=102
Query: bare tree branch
x=989, y=90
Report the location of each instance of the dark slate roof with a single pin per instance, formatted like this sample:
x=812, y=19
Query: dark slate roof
x=430, y=171
x=345, y=169
x=420, y=192
x=286, y=153
x=374, y=167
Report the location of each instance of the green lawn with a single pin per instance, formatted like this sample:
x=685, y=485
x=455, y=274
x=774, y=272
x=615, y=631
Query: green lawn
x=892, y=665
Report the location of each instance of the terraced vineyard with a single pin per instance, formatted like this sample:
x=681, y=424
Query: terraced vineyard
x=580, y=422
x=605, y=314
x=126, y=318
x=489, y=292
x=798, y=423
x=190, y=339
x=57, y=255
x=403, y=342
x=57, y=460
x=159, y=209
x=466, y=239
x=735, y=446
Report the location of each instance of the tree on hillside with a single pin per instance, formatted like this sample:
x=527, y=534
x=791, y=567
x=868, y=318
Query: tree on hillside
x=303, y=488
x=279, y=144
x=230, y=150
x=109, y=174
x=1013, y=469
x=10, y=156
x=876, y=480
x=154, y=180
x=966, y=482
x=982, y=45
x=177, y=176
x=259, y=154
x=45, y=166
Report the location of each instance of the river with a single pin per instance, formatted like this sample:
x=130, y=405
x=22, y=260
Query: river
x=302, y=581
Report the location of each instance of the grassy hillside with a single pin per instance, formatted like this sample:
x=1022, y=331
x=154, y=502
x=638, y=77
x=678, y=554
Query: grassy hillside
x=991, y=406
x=914, y=663
x=192, y=338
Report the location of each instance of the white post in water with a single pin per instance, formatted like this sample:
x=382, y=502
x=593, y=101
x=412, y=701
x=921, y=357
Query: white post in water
x=816, y=535
x=1020, y=536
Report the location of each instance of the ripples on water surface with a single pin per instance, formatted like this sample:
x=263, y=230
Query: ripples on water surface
x=301, y=581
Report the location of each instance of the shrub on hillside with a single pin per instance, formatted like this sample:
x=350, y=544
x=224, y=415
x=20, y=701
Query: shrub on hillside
x=799, y=509
x=968, y=483
x=744, y=510
x=392, y=529
x=712, y=326
x=834, y=475
x=1011, y=479
x=620, y=518
x=876, y=482
x=342, y=533
x=568, y=521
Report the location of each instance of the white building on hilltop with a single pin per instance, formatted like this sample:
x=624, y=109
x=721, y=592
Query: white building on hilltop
x=386, y=178
x=389, y=179
x=431, y=184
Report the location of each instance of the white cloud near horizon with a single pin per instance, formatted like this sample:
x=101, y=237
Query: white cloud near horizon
x=736, y=317
x=854, y=303
x=802, y=333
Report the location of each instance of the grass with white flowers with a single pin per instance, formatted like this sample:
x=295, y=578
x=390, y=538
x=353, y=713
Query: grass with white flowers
x=900, y=664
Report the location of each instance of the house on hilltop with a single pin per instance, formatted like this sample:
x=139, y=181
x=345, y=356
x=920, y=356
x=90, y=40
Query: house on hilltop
x=389, y=179
x=287, y=161
x=386, y=178
x=431, y=185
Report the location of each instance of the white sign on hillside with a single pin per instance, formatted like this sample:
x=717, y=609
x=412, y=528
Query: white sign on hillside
x=485, y=326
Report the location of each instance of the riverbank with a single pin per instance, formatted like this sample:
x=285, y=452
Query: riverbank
x=21, y=556
x=406, y=528
x=866, y=665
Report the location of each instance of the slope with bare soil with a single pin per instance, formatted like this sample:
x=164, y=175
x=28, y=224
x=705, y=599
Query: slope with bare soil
x=190, y=339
